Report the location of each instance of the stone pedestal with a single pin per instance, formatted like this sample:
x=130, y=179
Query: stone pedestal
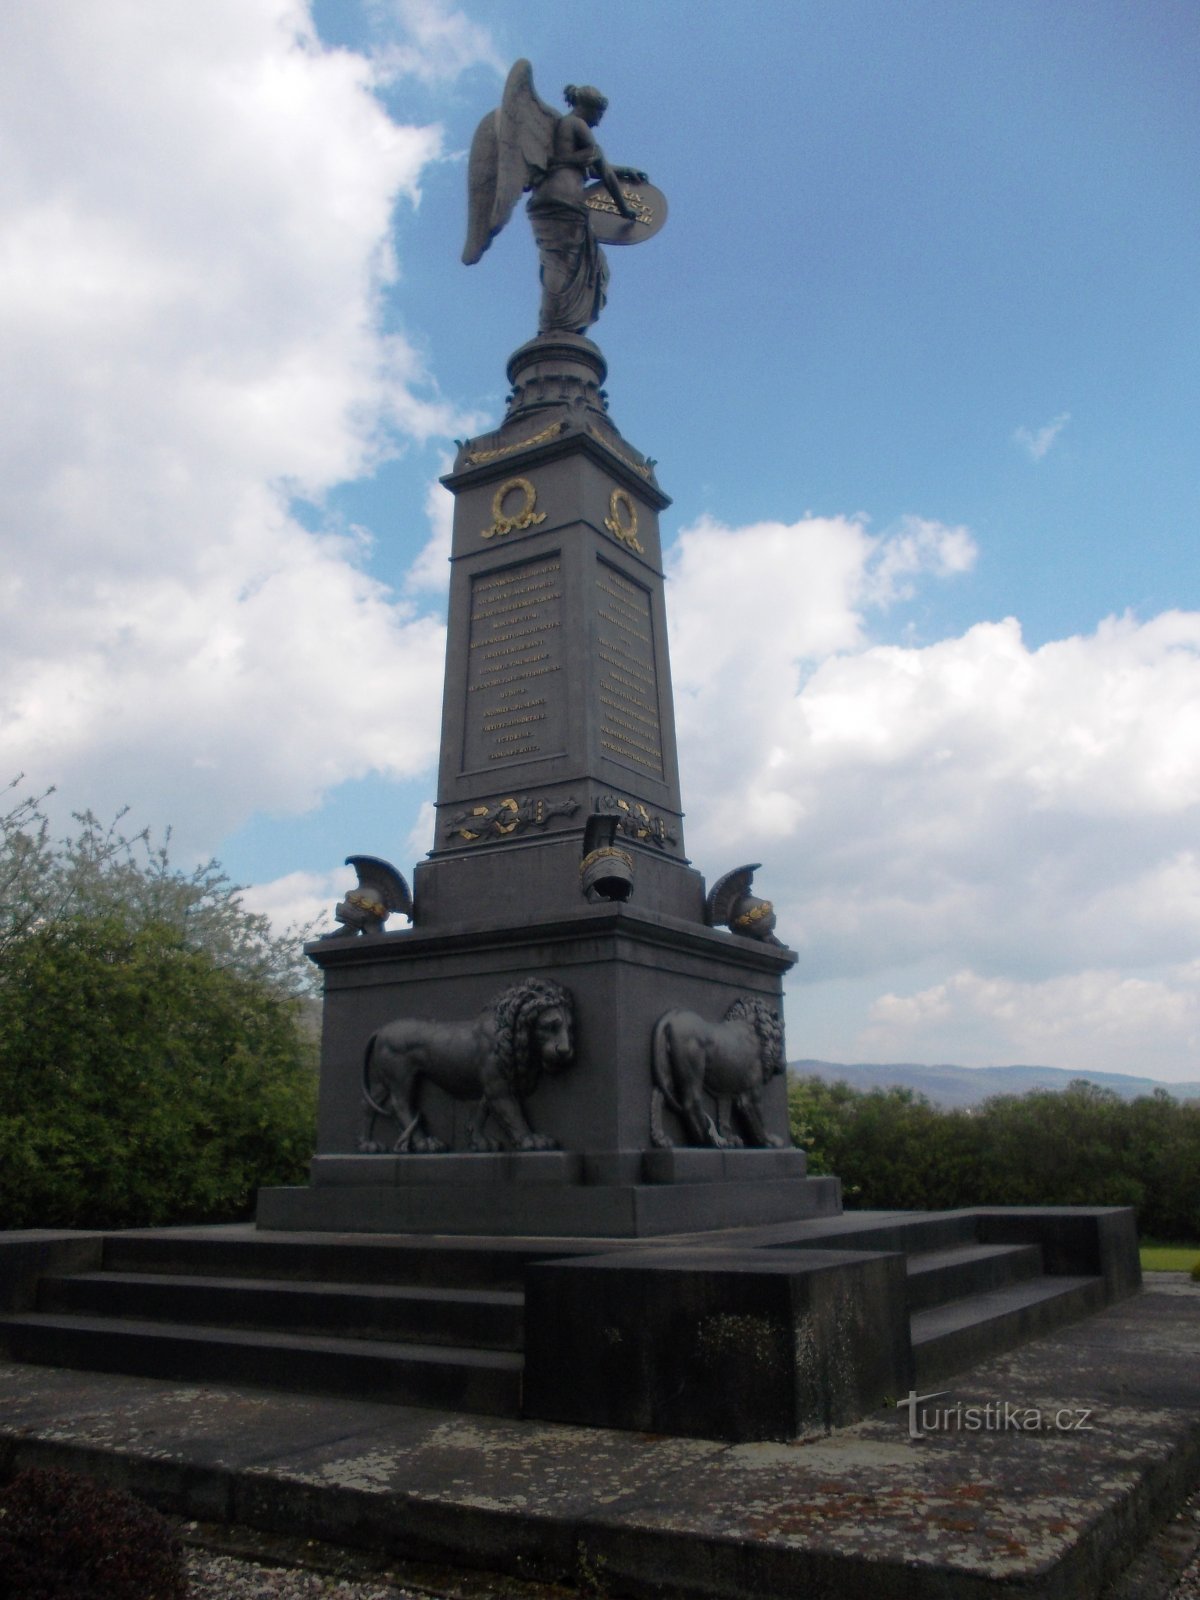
x=558, y=783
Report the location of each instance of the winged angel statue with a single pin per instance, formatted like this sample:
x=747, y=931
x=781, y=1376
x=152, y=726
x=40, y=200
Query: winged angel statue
x=525, y=145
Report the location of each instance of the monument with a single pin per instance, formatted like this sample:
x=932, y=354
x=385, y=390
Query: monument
x=573, y=1037
x=553, y=1176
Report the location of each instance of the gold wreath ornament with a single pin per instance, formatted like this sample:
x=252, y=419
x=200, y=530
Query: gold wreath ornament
x=526, y=517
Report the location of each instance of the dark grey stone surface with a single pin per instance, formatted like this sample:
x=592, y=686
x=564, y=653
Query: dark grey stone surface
x=1098, y=1240
x=557, y=676
x=716, y=1344
x=27, y=1254
x=618, y=965
x=606, y=1210
x=464, y=1168
x=866, y=1513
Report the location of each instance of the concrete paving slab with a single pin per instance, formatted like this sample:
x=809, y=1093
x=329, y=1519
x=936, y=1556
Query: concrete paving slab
x=1040, y=1474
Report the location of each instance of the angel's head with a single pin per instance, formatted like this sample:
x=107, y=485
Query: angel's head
x=586, y=102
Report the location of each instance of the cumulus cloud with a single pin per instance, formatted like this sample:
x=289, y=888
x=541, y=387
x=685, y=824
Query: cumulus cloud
x=300, y=899
x=1025, y=816
x=1040, y=441
x=430, y=572
x=1097, y=1020
x=754, y=612
x=196, y=240
x=440, y=41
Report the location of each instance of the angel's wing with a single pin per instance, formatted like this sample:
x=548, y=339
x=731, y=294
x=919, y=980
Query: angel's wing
x=481, y=188
x=509, y=154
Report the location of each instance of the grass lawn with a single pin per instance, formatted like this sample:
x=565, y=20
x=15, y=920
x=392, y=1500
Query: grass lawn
x=1169, y=1257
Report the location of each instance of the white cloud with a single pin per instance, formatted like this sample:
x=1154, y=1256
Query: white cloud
x=300, y=898
x=1039, y=441
x=441, y=41
x=196, y=239
x=1025, y=815
x=1097, y=1020
x=431, y=570
x=421, y=836
x=753, y=612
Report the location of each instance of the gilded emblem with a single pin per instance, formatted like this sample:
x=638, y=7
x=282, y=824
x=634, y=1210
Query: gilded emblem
x=622, y=520
x=637, y=821
x=526, y=517
x=635, y=201
x=478, y=457
x=510, y=815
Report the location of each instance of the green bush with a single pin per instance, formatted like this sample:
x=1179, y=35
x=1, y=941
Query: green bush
x=155, y=1065
x=142, y=1083
x=63, y=1537
x=1079, y=1146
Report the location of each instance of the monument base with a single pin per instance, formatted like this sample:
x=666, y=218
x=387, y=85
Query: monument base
x=553, y=1195
x=623, y=1168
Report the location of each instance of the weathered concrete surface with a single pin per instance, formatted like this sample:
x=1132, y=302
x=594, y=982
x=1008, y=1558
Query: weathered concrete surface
x=866, y=1511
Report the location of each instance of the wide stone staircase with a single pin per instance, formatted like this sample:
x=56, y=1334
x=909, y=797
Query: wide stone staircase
x=439, y=1321
x=404, y=1321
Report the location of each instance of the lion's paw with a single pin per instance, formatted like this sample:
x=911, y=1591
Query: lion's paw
x=425, y=1144
x=538, y=1141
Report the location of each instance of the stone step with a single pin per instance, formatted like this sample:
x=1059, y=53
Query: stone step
x=330, y=1258
x=486, y=1381
x=938, y=1276
x=949, y=1338
x=906, y=1231
x=489, y=1319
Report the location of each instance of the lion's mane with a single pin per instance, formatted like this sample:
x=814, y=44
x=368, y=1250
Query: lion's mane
x=768, y=1030
x=516, y=1011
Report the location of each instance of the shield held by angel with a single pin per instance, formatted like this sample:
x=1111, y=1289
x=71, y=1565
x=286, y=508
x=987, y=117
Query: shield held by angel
x=525, y=145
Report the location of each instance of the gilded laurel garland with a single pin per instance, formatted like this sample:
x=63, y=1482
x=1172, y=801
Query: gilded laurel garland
x=477, y=458
x=527, y=517
x=622, y=520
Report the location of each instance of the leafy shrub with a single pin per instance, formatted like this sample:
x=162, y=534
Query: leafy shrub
x=141, y=1083
x=155, y=1064
x=1082, y=1145
x=63, y=1537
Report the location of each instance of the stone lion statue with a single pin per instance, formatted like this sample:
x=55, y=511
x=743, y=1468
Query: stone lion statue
x=497, y=1059
x=734, y=1059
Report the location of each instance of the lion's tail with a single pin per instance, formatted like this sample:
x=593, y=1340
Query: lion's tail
x=660, y=1068
x=660, y=1060
x=369, y=1099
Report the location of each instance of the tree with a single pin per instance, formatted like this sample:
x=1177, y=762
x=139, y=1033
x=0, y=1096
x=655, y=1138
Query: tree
x=1082, y=1145
x=155, y=1062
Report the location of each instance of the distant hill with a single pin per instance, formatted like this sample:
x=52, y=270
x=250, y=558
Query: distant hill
x=967, y=1086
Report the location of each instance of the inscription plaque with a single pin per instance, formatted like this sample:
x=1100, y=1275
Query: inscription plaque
x=514, y=705
x=627, y=676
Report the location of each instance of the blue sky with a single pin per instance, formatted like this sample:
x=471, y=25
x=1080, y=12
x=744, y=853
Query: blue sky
x=917, y=354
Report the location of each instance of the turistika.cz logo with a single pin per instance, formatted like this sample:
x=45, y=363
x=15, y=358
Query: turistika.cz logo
x=996, y=1416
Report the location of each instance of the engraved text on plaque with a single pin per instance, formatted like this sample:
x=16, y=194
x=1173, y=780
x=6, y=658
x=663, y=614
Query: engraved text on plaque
x=628, y=680
x=514, y=675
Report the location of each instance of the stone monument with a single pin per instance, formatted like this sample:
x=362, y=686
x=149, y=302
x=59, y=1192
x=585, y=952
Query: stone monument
x=572, y=1038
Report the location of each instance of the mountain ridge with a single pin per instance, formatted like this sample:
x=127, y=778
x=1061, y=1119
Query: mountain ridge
x=957, y=1087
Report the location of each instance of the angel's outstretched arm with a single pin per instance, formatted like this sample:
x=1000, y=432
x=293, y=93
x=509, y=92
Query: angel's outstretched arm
x=611, y=181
